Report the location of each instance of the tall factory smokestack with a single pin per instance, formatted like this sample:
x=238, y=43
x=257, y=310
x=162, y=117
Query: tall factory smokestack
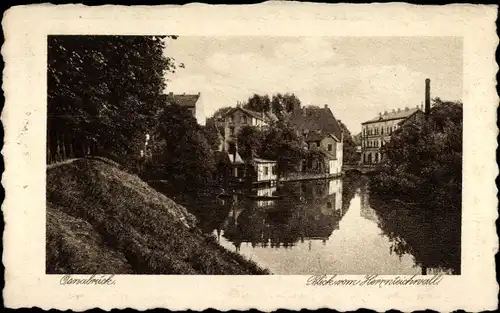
x=427, y=96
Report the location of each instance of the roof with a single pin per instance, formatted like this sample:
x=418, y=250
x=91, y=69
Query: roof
x=185, y=100
x=395, y=115
x=314, y=136
x=226, y=157
x=314, y=118
x=259, y=160
x=264, y=116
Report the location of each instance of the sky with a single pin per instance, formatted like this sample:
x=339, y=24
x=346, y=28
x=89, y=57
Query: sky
x=357, y=77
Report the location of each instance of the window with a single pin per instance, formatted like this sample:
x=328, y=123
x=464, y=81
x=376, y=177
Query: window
x=245, y=119
x=274, y=169
x=231, y=118
x=330, y=147
x=266, y=170
x=381, y=130
x=231, y=130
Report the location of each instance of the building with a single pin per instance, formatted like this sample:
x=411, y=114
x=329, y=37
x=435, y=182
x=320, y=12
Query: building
x=265, y=171
x=320, y=130
x=240, y=117
x=192, y=102
x=232, y=170
x=377, y=131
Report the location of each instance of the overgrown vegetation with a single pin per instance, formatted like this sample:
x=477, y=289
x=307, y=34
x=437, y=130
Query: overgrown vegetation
x=104, y=92
x=182, y=154
x=101, y=219
x=424, y=161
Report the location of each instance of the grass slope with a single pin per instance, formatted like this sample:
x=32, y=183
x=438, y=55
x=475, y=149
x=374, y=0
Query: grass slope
x=102, y=220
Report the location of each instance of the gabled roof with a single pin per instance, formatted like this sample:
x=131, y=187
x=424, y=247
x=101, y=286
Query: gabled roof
x=395, y=115
x=314, y=136
x=313, y=118
x=185, y=100
x=226, y=157
x=263, y=116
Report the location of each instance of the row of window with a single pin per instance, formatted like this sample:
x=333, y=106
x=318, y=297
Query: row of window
x=373, y=143
x=379, y=131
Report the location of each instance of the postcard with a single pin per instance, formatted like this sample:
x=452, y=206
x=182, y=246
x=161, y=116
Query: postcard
x=281, y=155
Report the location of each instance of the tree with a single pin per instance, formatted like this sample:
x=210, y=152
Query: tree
x=219, y=113
x=258, y=103
x=185, y=159
x=284, y=104
x=426, y=159
x=250, y=141
x=282, y=144
x=103, y=92
x=349, y=146
x=212, y=134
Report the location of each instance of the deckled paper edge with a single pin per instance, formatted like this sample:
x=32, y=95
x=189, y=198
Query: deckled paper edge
x=20, y=156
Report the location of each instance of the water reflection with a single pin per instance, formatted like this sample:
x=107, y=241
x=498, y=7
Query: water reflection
x=332, y=227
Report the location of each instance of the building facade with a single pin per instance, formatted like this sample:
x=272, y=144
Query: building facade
x=320, y=130
x=238, y=118
x=377, y=132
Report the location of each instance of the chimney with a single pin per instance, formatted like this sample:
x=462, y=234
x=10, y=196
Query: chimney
x=427, y=96
x=385, y=112
x=380, y=115
x=326, y=106
x=399, y=110
x=170, y=93
x=406, y=109
x=393, y=111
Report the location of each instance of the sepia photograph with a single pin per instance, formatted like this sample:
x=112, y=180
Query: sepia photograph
x=280, y=155
x=251, y=155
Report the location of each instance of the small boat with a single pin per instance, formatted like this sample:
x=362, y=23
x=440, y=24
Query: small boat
x=255, y=197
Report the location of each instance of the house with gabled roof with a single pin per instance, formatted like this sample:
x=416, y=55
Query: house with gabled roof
x=321, y=131
x=239, y=117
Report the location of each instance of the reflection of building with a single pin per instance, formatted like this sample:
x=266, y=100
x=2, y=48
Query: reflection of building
x=307, y=211
x=366, y=210
x=266, y=192
x=333, y=200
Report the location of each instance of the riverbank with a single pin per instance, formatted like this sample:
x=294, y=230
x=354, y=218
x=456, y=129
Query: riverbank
x=101, y=219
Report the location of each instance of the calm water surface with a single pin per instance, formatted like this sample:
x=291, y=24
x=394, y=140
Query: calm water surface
x=333, y=227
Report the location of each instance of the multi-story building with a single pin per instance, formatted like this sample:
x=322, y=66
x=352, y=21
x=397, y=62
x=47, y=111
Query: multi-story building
x=377, y=131
x=240, y=117
x=320, y=130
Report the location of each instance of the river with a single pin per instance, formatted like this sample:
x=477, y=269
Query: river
x=333, y=227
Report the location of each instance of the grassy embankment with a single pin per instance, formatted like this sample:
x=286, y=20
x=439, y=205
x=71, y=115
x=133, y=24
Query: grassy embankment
x=101, y=219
